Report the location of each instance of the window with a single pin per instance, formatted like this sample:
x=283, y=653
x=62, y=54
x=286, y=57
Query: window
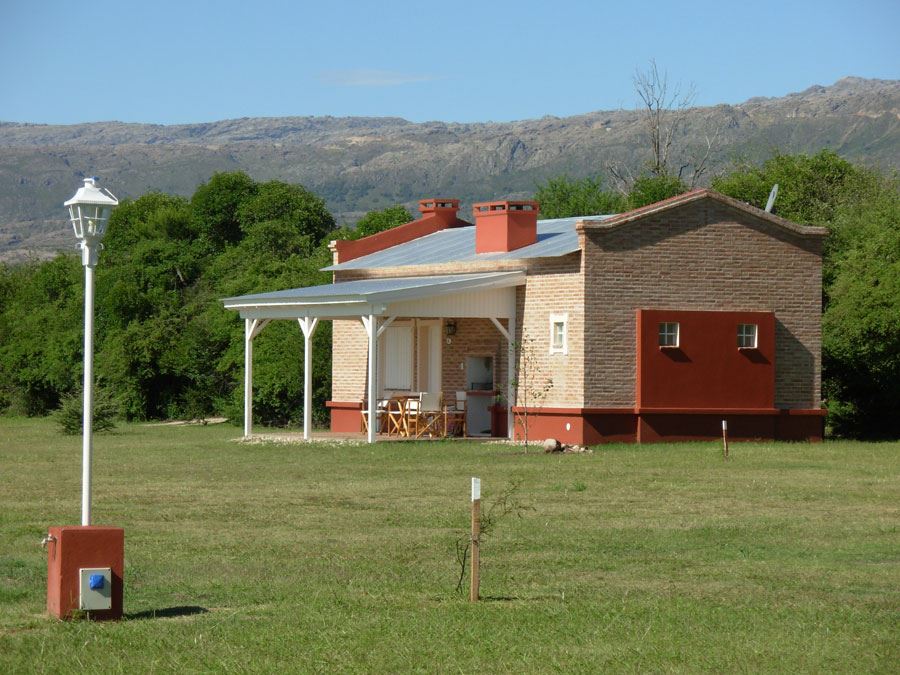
x=668, y=334
x=397, y=354
x=559, y=333
x=746, y=336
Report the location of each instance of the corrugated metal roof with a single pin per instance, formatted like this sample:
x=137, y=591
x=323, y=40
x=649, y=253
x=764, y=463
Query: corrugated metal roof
x=376, y=290
x=554, y=238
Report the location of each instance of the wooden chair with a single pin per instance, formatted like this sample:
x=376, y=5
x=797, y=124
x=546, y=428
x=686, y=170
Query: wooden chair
x=425, y=415
x=396, y=418
x=380, y=412
x=455, y=415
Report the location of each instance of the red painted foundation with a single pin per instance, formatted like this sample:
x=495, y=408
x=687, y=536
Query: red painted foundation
x=345, y=416
x=74, y=547
x=593, y=426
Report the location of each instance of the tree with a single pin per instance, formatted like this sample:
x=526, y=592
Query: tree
x=565, y=197
x=651, y=189
x=215, y=206
x=385, y=219
x=291, y=204
x=665, y=110
x=861, y=324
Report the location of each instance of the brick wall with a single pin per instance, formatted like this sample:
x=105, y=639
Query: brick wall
x=701, y=256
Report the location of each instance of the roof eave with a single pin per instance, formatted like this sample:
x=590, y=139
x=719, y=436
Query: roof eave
x=696, y=195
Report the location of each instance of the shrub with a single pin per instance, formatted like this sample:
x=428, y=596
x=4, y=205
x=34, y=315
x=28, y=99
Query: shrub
x=69, y=415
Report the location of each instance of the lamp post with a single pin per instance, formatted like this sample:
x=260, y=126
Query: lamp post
x=86, y=563
x=89, y=212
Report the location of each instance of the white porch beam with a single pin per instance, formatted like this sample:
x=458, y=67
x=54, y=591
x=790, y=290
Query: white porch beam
x=308, y=326
x=370, y=323
x=502, y=330
x=387, y=322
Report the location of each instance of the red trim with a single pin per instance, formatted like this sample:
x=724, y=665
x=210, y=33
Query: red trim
x=352, y=405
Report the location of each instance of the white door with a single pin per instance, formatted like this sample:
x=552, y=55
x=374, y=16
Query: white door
x=429, y=356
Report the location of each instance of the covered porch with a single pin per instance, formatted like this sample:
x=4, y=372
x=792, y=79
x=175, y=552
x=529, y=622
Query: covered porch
x=398, y=336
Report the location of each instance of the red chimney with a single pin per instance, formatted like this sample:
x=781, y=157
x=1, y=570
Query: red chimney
x=444, y=210
x=505, y=225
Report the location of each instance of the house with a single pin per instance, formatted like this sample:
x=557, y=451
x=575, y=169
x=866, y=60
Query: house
x=655, y=324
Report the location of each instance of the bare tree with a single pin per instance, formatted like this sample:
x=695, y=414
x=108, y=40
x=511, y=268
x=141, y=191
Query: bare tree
x=664, y=111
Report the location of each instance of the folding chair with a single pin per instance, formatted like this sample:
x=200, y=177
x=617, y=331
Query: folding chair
x=413, y=413
x=380, y=411
x=429, y=415
x=455, y=415
x=396, y=418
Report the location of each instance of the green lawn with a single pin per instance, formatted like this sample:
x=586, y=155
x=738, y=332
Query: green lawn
x=341, y=558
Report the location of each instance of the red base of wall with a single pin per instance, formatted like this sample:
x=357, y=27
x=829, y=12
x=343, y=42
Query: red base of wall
x=625, y=425
x=74, y=547
x=592, y=426
x=345, y=417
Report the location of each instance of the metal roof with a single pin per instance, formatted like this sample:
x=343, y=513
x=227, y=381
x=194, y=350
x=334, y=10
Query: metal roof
x=554, y=238
x=349, y=294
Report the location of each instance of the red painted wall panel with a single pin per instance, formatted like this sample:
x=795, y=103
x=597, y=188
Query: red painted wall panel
x=706, y=370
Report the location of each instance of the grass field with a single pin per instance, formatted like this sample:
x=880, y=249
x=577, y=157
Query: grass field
x=341, y=558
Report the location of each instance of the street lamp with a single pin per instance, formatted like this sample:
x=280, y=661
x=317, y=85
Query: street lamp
x=86, y=563
x=89, y=212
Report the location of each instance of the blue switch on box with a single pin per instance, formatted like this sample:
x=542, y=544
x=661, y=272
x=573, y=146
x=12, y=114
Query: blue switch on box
x=96, y=582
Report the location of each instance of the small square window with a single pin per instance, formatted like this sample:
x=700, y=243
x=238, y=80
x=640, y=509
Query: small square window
x=668, y=334
x=559, y=334
x=746, y=336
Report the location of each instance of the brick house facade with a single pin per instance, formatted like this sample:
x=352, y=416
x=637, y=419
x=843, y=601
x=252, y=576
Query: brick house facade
x=592, y=301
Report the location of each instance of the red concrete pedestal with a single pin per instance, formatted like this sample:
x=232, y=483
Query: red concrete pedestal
x=71, y=548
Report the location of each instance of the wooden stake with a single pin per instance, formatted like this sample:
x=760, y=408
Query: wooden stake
x=475, y=576
x=725, y=439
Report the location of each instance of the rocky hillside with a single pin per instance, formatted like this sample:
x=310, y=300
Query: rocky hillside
x=359, y=163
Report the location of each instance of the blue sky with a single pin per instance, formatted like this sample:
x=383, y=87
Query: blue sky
x=177, y=62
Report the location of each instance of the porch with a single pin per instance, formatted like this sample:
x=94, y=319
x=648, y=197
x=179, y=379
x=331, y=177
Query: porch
x=398, y=336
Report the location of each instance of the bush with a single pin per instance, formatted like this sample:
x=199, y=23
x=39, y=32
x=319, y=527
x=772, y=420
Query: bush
x=69, y=415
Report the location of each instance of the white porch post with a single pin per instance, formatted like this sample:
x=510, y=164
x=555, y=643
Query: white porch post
x=510, y=334
x=308, y=326
x=248, y=376
x=371, y=325
x=511, y=370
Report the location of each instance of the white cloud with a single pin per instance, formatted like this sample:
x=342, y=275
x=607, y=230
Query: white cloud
x=363, y=77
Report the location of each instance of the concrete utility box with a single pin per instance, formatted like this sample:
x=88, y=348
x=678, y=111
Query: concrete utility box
x=85, y=571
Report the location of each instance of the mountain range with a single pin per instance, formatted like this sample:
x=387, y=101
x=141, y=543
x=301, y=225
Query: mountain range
x=361, y=163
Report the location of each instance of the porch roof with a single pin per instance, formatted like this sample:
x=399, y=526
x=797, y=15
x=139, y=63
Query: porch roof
x=364, y=296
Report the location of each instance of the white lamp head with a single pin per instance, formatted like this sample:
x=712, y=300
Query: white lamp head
x=89, y=212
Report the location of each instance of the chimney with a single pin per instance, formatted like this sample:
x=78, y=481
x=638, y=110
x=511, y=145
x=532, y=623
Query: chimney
x=505, y=225
x=444, y=210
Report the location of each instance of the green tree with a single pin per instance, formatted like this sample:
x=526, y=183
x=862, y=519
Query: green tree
x=215, y=206
x=291, y=204
x=861, y=324
x=565, y=197
x=378, y=221
x=651, y=189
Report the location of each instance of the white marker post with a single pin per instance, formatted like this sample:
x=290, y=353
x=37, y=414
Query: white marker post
x=475, y=579
x=725, y=439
